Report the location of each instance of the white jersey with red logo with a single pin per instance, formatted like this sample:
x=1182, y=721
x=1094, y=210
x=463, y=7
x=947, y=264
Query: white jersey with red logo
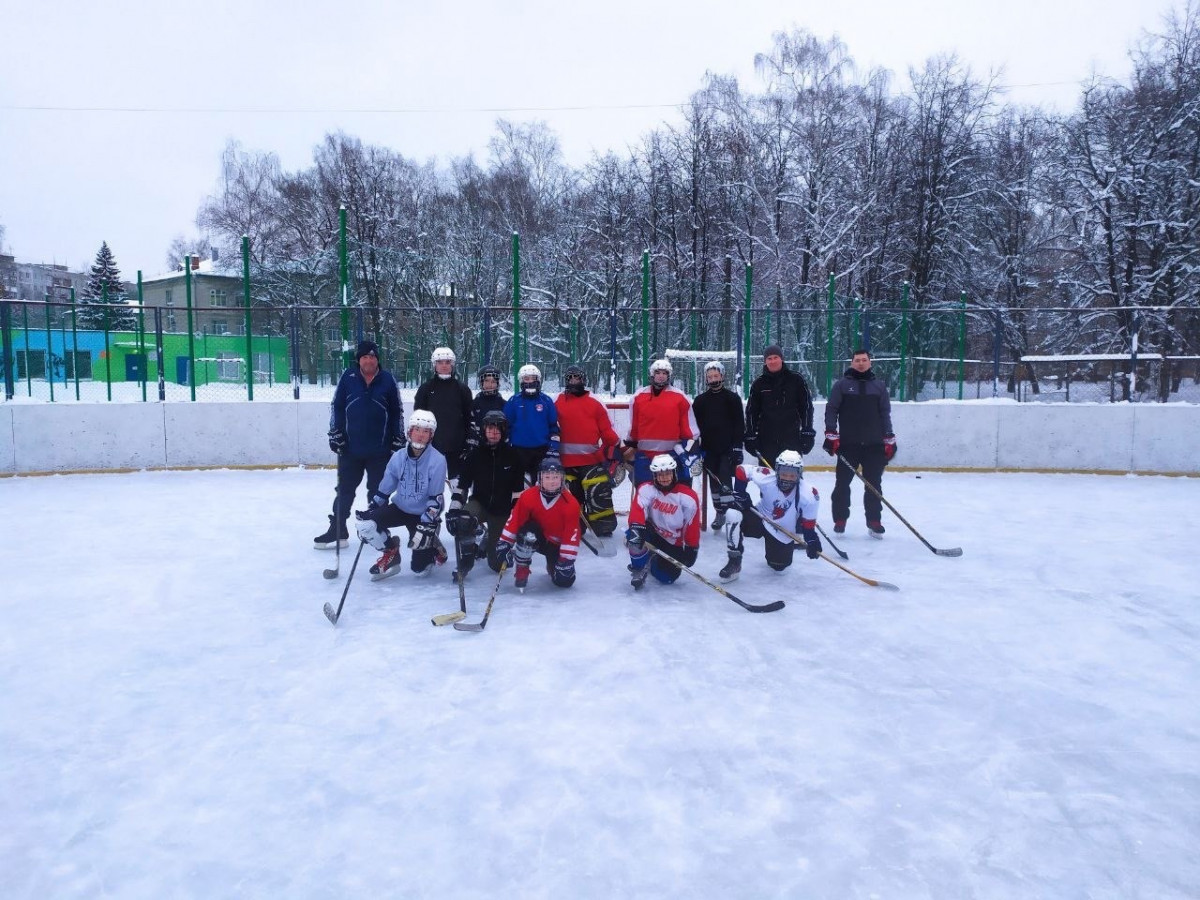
x=584, y=430
x=659, y=421
x=674, y=514
x=558, y=519
x=795, y=510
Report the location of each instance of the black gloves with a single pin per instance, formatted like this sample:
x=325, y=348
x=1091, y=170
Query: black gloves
x=807, y=437
x=337, y=441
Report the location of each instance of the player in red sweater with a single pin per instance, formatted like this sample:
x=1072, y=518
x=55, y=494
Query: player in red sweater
x=661, y=421
x=588, y=447
x=666, y=515
x=545, y=519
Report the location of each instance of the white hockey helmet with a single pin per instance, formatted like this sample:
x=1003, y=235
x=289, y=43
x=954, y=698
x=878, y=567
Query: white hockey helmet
x=660, y=365
x=421, y=418
x=664, y=462
x=715, y=366
x=789, y=469
x=529, y=378
x=443, y=353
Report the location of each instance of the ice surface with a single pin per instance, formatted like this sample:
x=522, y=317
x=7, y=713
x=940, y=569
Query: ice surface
x=178, y=718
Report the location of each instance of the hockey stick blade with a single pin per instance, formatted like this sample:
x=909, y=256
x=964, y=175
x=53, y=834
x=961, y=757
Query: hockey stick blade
x=469, y=626
x=448, y=618
x=951, y=551
x=330, y=574
x=330, y=614
x=749, y=607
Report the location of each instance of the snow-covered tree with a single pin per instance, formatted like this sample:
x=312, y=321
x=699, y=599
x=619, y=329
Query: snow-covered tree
x=103, y=303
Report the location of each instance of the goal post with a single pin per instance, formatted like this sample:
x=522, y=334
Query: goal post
x=698, y=359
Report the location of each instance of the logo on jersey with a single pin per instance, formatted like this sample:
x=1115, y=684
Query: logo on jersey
x=778, y=510
x=665, y=508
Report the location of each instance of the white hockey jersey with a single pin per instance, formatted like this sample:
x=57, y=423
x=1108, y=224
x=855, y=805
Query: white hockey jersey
x=675, y=515
x=795, y=510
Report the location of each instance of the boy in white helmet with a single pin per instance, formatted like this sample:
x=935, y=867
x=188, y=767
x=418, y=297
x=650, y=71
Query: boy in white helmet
x=533, y=421
x=722, y=424
x=450, y=401
x=661, y=421
x=666, y=515
x=783, y=497
x=410, y=494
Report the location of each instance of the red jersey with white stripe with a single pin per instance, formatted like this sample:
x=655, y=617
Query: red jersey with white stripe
x=661, y=420
x=585, y=433
x=674, y=514
x=796, y=510
x=558, y=519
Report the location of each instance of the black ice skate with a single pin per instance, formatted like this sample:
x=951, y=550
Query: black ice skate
x=387, y=565
x=876, y=529
x=334, y=535
x=733, y=568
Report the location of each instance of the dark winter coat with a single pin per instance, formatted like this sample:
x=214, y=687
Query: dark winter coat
x=720, y=418
x=779, y=407
x=370, y=415
x=484, y=404
x=859, y=408
x=450, y=402
x=492, y=475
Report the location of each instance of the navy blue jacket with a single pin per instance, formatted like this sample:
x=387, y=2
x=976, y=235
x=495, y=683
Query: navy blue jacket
x=370, y=415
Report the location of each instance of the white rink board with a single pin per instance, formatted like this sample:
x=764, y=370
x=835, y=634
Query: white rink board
x=59, y=438
x=231, y=434
x=1066, y=438
x=8, y=457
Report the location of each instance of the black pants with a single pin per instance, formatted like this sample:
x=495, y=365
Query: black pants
x=495, y=527
x=721, y=468
x=392, y=516
x=531, y=458
x=779, y=547
x=350, y=470
x=872, y=460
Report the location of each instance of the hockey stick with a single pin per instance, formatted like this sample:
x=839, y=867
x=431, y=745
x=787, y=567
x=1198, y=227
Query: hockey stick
x=329, y=613
x=451, y=618
x=331, y=574
x=886, y=585
x=768, y=607
x=482, y=623
x=836, y=549
x=952, y=551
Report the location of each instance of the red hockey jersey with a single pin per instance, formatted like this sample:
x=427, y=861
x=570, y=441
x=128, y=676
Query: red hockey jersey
x=660, y=421
x=558, y=519
x=675, y=515
x=584, y=429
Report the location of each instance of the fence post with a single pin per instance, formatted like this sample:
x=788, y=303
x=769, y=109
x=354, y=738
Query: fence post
x=865, y=340
x=107, y=348
x=294, y=331
x=28, y=354
x=904, y=341
x=7, y=349
x=1133, y=354
x=612, y=352
x=645, y=311
x=249, y=326
x=516, y=301
x=997, y=349
x=487, y=335
x=749, y=329
x=854, y=323
x=187, y=283
x=75, y=343
x=143, y=363
x=962, y=340
x=344, y=284
x=158, y=355
x=830, y=299
x=49, y=349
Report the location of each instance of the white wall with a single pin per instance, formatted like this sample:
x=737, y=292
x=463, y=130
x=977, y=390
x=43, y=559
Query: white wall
x=66, y=437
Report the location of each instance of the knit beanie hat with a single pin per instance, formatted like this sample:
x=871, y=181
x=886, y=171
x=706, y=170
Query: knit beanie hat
x=773, y=350
x=366, y=348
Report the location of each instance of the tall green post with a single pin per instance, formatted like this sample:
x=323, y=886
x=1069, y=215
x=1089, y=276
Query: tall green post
x=855, y=323
x=75, y=342
x=516, y=299
x=344, y=283
x=28, y=352
x=143, y=363
x=187, y=284
x=49, y=349
x=746, y=329
x=829, y=302
x=246, y=302
x=904, y=341
x=645, y=310
x=962, y=340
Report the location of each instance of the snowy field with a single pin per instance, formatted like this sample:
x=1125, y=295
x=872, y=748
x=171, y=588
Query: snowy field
x=178, y=718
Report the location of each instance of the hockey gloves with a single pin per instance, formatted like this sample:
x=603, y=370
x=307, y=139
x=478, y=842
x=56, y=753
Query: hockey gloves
x=427, y=533
x=688, y=556
x=398, y=442
x=889, y=448
x=807, y=438
x=563, y=574
x=455, y=514
x=504, y=553
x=635, y=537
x=337, y=441
x=812, y=544
x=554, y=449
x=832, y=444
x=751, y=444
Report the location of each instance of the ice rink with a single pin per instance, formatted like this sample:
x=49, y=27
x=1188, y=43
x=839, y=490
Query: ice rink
x=178, y=718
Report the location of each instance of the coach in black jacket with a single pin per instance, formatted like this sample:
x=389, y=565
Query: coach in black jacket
x=779, y=413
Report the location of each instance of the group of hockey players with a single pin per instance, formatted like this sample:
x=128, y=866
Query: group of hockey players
x=531, y=474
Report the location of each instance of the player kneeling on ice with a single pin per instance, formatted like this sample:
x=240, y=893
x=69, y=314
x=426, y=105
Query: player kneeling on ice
x=783, y=498
x=664, y=514
x=545, y=520
x=410, y=494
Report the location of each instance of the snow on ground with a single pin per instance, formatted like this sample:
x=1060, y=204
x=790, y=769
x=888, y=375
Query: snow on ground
x=179, y=719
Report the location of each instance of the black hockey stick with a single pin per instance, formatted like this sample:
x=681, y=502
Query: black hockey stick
x=836, y=549
x=460, y=576
x=331, y=574
x=482, y=623
x=329, y=613
x=755, y=608
x=952, y=551
x=886, y=585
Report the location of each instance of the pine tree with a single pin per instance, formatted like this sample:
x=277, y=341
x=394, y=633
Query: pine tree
x=104, y=297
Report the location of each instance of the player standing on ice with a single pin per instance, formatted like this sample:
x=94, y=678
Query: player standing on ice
x=487, y=399
x=665, y=514
x=410, y=494
x=784, y=498
x=492, y=479
x=533, y=421
x=858, y=430
x=721, y=420
x=546, y=520
x=589, y=447
x=366, y=424
x=779, y=412
x=661, y=421
x=450, y=402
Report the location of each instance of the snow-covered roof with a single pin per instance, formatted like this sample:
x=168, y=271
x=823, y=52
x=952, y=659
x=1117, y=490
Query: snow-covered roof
x=206, y=267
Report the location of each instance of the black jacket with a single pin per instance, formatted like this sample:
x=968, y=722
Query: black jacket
x=450, y=402
x=370, y=415
x=721, y=420
x=779, y=407
x=859, y=408
x=492, y=475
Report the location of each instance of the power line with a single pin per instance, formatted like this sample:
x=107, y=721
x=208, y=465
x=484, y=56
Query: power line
x=326, y=110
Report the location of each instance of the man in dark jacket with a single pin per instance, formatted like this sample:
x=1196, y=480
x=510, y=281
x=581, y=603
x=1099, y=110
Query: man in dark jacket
x=492, y=478
x=450, y=402
x=858, y=430
x=722, y=425
x=779, y=412
x=366, y=423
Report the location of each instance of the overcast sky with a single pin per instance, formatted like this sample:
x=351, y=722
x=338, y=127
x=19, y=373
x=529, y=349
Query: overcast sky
x=113, y=115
